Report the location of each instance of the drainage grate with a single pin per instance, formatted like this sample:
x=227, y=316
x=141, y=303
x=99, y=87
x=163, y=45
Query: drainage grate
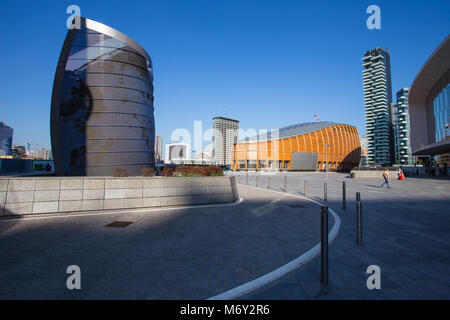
x=119, y=224
x=297, y=206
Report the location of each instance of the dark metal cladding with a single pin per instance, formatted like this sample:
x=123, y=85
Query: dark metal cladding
x=102, y=104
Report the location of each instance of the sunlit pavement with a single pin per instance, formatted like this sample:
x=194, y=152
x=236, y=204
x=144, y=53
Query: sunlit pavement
x=406, y=232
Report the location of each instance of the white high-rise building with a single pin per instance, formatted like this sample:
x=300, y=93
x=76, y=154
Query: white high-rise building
x=226, y=133
x=176, y=151
x=377, y=102
x=158, y=149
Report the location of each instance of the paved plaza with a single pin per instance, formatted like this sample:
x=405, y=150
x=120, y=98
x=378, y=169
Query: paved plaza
x=165, y=254
x=406, y=232
x=200, y=252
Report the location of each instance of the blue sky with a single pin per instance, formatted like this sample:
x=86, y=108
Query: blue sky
x=266, y=63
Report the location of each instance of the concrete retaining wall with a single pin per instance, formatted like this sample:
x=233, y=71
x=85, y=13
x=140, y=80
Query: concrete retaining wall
x=373, y=174
x=54, y=194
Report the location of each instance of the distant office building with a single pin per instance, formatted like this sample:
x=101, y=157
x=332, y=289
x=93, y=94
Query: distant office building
x=429, y=106
x=6, y=135
x=176, y=151
x=102, y=104
x=158, y=149
x=377, y=102
x=19, y=152
x=226, y=133
x=363, y=162
x=401, y=129
x=301, y=147
x=43, y=153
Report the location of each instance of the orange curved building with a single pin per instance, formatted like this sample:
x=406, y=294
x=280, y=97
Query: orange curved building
x=300, y=147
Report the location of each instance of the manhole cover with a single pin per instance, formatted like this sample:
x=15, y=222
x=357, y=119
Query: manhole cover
x=297, y=206
x=119, y=224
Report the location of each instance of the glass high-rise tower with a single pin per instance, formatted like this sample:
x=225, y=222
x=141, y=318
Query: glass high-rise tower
x=401, y=128
x=377, y=102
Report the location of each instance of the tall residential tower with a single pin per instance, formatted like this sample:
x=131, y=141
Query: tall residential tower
x=401, y=128
x=226, y=132
x=377, y=102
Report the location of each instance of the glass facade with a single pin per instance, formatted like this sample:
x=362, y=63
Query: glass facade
x=441, y=109
x=6, y=135
x=102, y=105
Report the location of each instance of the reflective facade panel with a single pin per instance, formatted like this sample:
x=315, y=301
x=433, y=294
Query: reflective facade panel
x=102, y=104
x=6, y=135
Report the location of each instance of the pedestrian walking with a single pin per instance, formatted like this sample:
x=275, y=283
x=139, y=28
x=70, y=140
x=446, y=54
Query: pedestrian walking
x=386, y=178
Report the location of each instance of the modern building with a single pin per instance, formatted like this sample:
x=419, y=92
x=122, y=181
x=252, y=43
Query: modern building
x=19, y=151
x=176, y=151
x=377, y=102
x=6, y=135
x=158, y=149
x=42, y=153
x=429, y=106
x=363, y=162
x=402, y=143
x=102, y=104
x=301, y=147
x=226, y=134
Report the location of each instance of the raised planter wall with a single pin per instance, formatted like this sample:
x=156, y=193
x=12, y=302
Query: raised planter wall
x=373, y=173
x=73, y=194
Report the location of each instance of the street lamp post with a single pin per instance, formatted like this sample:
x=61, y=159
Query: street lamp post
x=326, y=157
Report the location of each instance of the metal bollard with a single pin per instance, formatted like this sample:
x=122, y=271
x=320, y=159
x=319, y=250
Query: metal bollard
x=247, y=178
x=358, y=219
x=269, y=181
x=324, y=244
x=325, y=187
x=285, y=183
x=344, y=196
x=359, y=239
x=256, y=182
x=306, y=188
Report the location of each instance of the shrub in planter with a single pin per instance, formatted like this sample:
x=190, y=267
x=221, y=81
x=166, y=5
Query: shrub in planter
x=119, y=172
x=148, y=172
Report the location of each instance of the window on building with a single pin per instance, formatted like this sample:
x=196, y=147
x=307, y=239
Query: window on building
x=251, y=164
x=261, y=164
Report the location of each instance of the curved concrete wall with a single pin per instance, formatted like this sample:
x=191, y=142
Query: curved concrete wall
x=102, y=104
x=51, y=195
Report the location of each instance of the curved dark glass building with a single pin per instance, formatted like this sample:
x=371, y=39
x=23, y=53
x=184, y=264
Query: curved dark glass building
x=102, y=104
x=429, y=106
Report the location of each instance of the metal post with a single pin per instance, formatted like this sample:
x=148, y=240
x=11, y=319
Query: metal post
x=306, y=188
x=256, y=183
x=247, y=178
x=325, y=187
x=324, y=244
x=268, y=183
x=285, y=183
x=344, y=196
x=359, y=226
x=358, y=219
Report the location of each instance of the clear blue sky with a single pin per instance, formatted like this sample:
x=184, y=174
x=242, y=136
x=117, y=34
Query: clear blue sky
x=266, y=63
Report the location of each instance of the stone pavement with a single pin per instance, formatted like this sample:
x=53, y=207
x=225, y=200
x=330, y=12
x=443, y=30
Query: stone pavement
x=191, y=253
x=406, y=232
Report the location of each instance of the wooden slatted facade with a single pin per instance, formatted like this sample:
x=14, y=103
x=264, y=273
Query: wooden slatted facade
x=343, y=153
